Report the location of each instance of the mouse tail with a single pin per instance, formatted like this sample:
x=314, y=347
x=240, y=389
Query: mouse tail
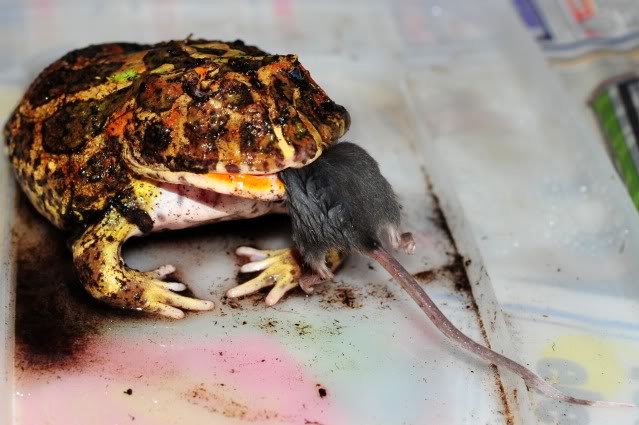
x=410, y=285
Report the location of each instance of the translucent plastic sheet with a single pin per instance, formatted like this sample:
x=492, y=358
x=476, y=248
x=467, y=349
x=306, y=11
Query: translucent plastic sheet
x=454, y=93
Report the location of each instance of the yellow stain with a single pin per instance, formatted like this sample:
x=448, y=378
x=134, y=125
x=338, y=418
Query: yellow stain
x=597, y=356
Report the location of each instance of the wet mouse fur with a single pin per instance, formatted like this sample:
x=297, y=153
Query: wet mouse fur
x=340, y=201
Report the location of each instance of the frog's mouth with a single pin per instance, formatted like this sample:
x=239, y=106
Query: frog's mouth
x=265, y=187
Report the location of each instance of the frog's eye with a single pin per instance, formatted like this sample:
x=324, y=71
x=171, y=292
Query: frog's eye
x=296, y=74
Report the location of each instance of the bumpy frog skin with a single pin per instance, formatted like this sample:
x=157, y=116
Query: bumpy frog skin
x=119, y=140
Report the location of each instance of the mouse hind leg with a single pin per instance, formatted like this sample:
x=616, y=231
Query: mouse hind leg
x=323, y=270
x=400, y=241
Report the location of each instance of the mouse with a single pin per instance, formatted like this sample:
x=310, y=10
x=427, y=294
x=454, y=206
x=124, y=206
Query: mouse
x=341, y=202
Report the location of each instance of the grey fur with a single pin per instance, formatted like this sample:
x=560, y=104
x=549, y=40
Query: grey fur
x=340, y=201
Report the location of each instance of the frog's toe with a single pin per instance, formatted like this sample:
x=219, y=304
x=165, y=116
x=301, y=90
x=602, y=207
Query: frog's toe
x=165, y=310
x=279, y=290
x=172, y=299
x=257, y=255
x=173, y=286
x=169, y=307
x=258, y=266
x=162, y=271
x=158, y=275
x=156, y=296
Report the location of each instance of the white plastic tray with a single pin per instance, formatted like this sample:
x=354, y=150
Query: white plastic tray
x=457, y=90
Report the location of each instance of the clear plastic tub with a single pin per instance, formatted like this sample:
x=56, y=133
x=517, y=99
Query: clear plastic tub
x=455, y=92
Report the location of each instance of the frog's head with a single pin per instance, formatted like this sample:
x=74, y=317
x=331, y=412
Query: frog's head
x=231, y=110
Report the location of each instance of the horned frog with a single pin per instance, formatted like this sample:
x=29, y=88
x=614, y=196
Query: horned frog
x=119, y=140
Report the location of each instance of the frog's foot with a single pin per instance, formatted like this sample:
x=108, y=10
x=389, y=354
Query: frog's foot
x=281, y=269
x=96, y=255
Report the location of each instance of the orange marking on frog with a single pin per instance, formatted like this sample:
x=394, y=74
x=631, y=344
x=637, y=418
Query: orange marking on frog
x=250, y=182
x=201, y=71
x=116, y=127
x=173, y=118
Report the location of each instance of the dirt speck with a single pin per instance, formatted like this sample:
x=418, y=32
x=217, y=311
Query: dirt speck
x=454, y=271
x=338, y=296
x=381, y=293
x=321, y=391
x=269, y=325
x=220, y=402
x=129, y=391
x=347, y=297
x=232, y=303
x=303, y=329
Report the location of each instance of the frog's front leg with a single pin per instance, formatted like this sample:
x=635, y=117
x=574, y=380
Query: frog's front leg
x=282, y=269
x=96, y=255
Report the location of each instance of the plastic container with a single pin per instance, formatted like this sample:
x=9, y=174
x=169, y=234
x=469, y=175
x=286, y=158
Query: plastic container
x=453, y=93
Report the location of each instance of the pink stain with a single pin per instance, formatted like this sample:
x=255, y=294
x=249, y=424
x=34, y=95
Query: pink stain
x=283, y=8
x=250, y=378
x=43, y=6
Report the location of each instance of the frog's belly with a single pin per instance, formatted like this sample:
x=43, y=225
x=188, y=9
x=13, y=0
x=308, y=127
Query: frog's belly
x=178, y=207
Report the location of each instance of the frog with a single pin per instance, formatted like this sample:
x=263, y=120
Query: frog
x=120, y=140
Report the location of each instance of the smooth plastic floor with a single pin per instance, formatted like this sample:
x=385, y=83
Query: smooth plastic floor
x=453, y=93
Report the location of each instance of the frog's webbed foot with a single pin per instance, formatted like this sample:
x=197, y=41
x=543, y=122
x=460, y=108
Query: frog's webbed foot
x=281, y=269
x=102, y=271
